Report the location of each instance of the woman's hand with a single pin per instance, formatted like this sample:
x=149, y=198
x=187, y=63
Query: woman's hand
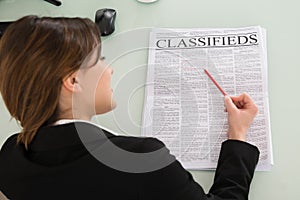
x=241, y=112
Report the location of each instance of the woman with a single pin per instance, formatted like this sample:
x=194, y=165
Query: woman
x=48, y=71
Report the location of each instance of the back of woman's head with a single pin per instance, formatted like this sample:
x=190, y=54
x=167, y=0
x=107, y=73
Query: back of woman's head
x=35, y=55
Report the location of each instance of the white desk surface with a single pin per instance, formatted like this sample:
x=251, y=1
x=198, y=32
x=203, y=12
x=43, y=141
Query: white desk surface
x=280, y=18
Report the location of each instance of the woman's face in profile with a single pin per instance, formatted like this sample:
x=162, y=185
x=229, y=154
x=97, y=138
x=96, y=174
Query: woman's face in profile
x=95, y=83
x=104, y=101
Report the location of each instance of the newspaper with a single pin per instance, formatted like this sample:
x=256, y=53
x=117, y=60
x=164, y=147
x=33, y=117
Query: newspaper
x=185, y=110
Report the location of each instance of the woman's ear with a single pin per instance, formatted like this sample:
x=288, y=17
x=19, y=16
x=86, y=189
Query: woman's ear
x=70, y=83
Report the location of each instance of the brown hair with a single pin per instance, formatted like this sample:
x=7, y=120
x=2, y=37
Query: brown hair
x=35, y=55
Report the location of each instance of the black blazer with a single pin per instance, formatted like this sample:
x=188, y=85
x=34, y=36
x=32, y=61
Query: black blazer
x=58, y=166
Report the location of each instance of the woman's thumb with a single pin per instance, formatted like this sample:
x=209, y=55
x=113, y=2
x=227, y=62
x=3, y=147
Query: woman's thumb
x=229, y=104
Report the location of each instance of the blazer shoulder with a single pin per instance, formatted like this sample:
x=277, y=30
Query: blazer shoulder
x=10, y=141
x=138, y=144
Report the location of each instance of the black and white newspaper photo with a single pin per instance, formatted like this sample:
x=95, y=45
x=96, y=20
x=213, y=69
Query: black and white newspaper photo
x=184, y=108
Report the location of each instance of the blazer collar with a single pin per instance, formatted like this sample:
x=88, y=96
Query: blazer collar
x=68, y=134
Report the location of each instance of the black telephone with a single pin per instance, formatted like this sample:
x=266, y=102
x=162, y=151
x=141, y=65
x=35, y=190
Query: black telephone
x=54, y=2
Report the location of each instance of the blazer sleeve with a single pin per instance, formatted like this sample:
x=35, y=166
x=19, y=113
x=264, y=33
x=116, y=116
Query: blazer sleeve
x=236, y=165
x=234, y=173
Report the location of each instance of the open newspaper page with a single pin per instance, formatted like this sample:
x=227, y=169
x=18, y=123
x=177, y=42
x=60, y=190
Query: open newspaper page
x=185, y=110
